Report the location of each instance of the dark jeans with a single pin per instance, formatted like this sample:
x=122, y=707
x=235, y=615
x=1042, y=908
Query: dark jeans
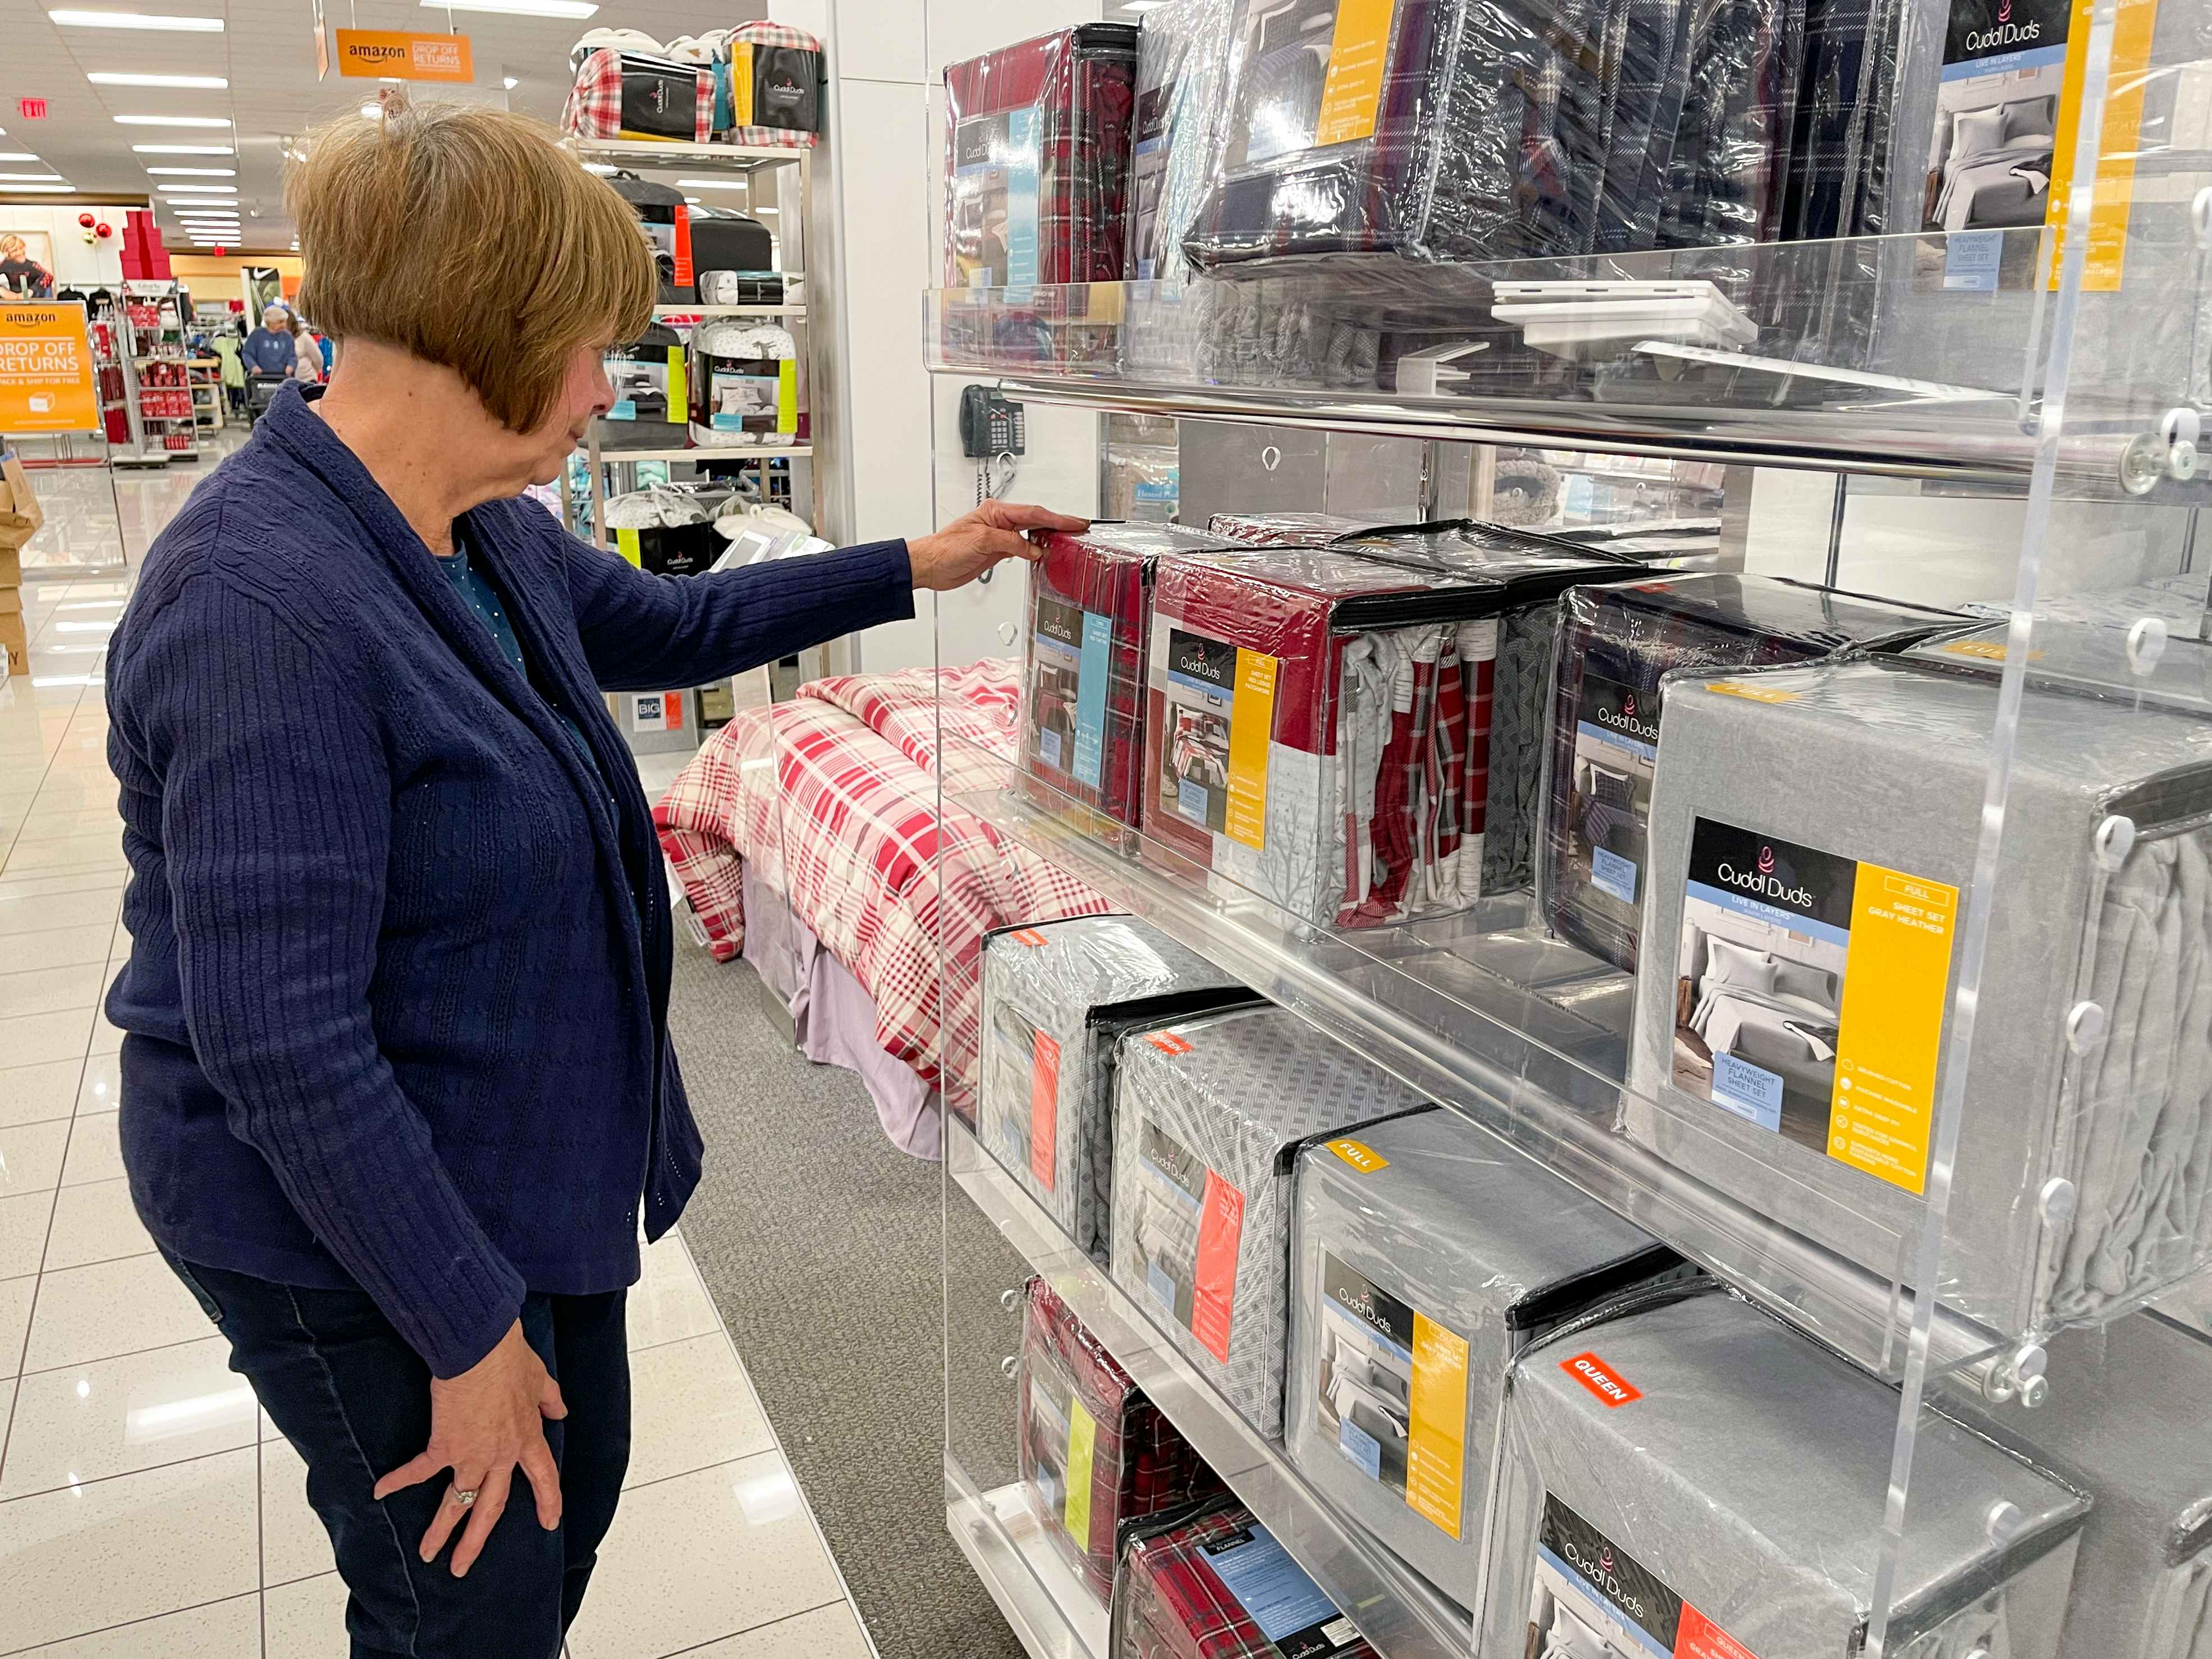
x=354, y=1401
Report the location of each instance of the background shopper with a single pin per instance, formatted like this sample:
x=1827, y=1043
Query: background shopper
x=397, y=1087
x=269, y=348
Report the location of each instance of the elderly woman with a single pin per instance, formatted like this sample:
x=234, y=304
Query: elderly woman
x=398, y=1092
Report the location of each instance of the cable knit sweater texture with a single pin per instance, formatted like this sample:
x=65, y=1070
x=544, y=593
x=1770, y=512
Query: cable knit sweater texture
x=396, y=1007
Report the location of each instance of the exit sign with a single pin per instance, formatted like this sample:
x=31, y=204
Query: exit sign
x=31, y=109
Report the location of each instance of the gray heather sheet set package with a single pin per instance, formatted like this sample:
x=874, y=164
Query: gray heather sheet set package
x=1693, y=1478
x=1813, y=834
x=2125, y=1422
x=1056, y=998
x=1427, y=1254
x=1208, y=1116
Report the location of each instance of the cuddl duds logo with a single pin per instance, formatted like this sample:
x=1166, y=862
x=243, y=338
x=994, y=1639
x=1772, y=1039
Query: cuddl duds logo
x=1764, y=882
x=1601, y=1573
x=2006, y=34
x=1626, y=720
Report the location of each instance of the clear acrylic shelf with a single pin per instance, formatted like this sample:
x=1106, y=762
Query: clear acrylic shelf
x=1402, y=1615
x=1050, y=1609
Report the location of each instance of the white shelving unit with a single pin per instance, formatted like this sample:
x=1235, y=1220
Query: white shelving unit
x=150, y=435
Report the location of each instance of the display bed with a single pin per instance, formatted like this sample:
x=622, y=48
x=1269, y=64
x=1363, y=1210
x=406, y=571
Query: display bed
x=1398, y=1612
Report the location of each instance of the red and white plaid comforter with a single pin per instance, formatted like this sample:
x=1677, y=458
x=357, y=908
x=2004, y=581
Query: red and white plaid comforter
x=857, y=850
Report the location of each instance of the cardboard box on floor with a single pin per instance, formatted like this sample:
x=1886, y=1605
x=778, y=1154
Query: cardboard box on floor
x=15, y=643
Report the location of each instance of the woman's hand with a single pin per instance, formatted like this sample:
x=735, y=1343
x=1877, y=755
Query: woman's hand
x=483, y=1422
x=975, y=541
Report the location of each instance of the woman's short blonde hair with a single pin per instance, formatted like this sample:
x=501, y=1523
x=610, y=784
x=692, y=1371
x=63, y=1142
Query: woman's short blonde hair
x=469, y=238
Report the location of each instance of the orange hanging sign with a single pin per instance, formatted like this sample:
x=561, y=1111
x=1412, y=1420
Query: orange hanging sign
x=45, y=368
x=372, y=54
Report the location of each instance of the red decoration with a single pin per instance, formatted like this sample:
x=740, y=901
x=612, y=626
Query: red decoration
x=31, y=109
x=85, y=219
x=103, y=230
x=218, y=253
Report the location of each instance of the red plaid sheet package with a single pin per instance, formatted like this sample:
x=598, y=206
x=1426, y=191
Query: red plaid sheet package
x=1215, y=1584
x=1318, y=725
x=1037, y=160
x=1082, y=670
x=1094, y=1452
x=620, y=94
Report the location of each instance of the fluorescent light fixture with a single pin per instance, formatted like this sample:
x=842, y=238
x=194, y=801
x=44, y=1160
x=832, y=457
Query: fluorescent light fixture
x=370, y=111
x=198, y=190
x=712, y=184
x=136, y=20
x=38, y=190
x=200, y=82
x=519, y=8
x=182, y=149
x=195, y=173
x=602, y=168
x=17, y=156
x=171, y=121
x=49, y=177
x=509, y=82
x=229, y=220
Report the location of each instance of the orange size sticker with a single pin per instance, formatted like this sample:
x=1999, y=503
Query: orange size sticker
x=1754, y=693
x=1214, y=1291
x=1601, y=1380
x=1168, y=1043
x=1359, y=1155
x=1044, y=1107
x=1698, y=1638
x=1027, y=936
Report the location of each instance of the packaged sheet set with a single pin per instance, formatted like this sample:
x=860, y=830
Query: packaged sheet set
x=1813, y=831
x=1321, y=727
x=1090, y=617
x=1614, y=645
x=1095, y=1452
x=1427, y=1254
x=1037, y=160
x=2124, y=1422
x=1057, y=997
x=1208, y=1117
x=1212, y=1583
x=1693, y=1477
x=1182, y=69
x=1298, y=529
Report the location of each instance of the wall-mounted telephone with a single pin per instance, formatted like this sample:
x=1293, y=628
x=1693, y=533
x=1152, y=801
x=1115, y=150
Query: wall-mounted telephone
x=990, y=425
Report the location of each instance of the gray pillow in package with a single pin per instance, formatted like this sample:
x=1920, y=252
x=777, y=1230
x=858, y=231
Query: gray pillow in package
x=1814, y=832
x=1424, y=1258
x=1208, y=1116
x=1056, y=996
x=2125, y=1422
x=1694, y=1466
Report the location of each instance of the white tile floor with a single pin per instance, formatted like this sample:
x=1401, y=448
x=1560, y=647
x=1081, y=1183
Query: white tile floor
x=146, y=1506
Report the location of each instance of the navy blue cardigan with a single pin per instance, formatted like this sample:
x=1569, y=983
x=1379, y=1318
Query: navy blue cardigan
x=395, y=1011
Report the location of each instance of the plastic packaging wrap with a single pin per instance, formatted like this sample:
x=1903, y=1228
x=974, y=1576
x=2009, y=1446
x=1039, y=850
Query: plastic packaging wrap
x=1532, y=570
x=1424, y=1258
x=1208, y=1116
x=1082, y=665
x=1500, y=129
x=1213, y=1584
x=1614, y=643
x=1319, y=725
x=1729, y=1475
x=1683, y=544
x=745, y=391
x=1095, y=1452
x=1299, y=529
x=1182, y=70
x=2125, y=1422
x=1057, y=997
x=1813, y=831
x=1038, y=159
x=653, y=400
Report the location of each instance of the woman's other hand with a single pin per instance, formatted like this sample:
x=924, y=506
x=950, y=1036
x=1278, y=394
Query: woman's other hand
x=483, y=1424
x=975, y=541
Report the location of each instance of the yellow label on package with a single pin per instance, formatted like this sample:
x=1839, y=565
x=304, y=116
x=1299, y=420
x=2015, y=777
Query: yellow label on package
x=1983, y=650
x=1353, y=89
x=626, y=544
x=1359, y=1155
x=1753, y=693
x=1082, y=1450
x=1436, y=1449
x=1251, y=726
x=2112, y=194
x=1895, y=986
x=787, y=395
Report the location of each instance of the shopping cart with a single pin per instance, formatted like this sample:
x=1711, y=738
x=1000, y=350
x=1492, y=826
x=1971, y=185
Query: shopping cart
x=259, y=390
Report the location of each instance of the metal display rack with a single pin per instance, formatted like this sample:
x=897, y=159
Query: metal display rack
x=2044, y=390
x=154, y=437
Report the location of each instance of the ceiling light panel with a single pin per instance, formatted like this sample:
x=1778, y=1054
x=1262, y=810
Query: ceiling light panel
x=198, y=190
x=172, y=121
x=195, y=173
x=49, y=177
x=182, y=149
x=577, y=9
x=132, y=78
x=38, y=190
x=17, y=156
x=136, y=20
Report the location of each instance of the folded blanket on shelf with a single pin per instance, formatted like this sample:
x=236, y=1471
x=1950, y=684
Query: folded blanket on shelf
x=1215, y=1584
x=1731, y=1475
x=1208, y=1115
x=1038, y=159
x=1090, y=627
x=1425, y=1256
x=1813, y=830
x=1057, y=998
x=2124, y=1423
x=1614, y=644
x=1094, y=1452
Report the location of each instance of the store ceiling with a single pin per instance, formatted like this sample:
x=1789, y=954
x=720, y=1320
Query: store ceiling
x=266, y=52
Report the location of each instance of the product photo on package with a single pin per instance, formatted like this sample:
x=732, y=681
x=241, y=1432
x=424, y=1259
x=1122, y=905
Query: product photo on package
x=1614, y=644
x=1428, y=1253
x=1813, y=831
x=1208, y=1117
x=1057, y=998
x=1693, y=1477
x=1095, y=1452
x=1212, y=1583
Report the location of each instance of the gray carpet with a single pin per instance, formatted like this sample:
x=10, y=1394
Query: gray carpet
x=823, y=1247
